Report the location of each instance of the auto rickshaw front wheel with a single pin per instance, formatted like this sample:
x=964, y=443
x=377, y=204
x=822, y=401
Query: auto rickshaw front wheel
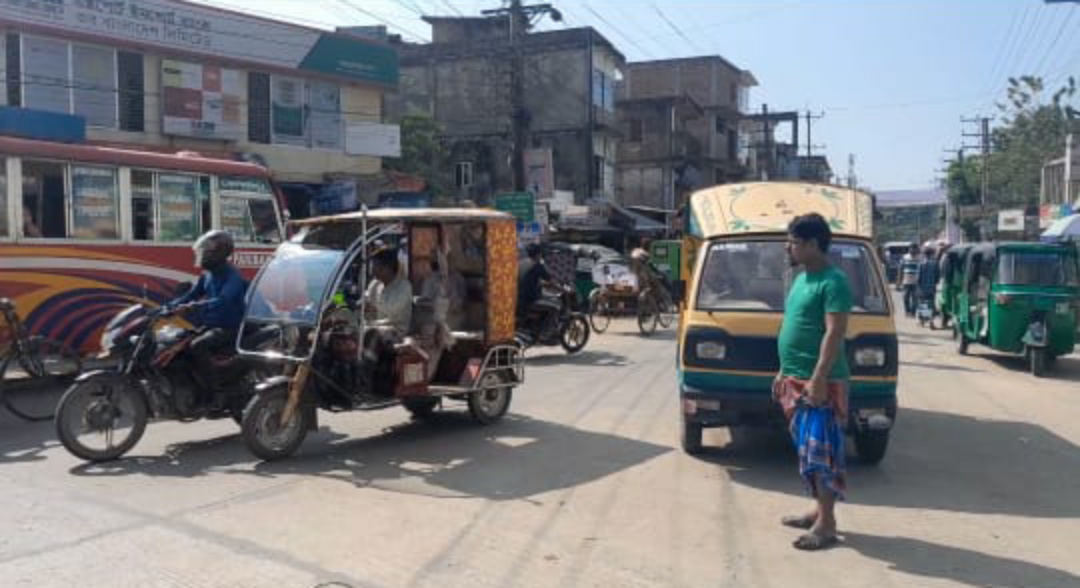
x=870, y=445
x=491, y=401
x=262, y=430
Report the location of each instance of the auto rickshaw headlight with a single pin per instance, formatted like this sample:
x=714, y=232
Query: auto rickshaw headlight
x=870, y=357
x=710, y=350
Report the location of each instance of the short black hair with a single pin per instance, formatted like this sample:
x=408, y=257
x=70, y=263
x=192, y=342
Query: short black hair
x=533, y=251
x=812, y=227
x=387, y=258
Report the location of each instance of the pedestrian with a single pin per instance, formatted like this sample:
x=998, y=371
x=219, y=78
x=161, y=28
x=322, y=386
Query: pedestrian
x=909, y=276
x=928, y=276
x=813, y=381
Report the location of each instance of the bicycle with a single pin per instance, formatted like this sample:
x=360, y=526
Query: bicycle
x=42, y=363
x=655, y=306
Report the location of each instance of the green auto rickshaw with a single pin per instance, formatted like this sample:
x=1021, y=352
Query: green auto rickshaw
x=1020, y=298
x=950, y=282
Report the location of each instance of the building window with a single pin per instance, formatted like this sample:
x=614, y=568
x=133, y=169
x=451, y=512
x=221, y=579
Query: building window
x=721, y=126
x=598, y=172
x=306, y=114
x=72, y=79
x=463, y=174
x=637, y=130
x=131, y=78
x=603, y=91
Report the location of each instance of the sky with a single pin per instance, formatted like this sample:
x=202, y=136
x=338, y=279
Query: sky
x=892, y=77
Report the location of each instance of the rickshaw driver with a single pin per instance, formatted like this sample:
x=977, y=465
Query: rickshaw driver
x=532, y=277
x=391, y=294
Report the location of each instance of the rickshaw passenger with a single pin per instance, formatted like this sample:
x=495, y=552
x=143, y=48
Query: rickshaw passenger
x=391, y=294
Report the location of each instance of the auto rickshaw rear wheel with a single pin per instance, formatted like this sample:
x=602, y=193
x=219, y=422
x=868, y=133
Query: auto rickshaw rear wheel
x=1037, y=360
x=870, y=445
x=962, y=343
x=691, y=436
x=491, y=401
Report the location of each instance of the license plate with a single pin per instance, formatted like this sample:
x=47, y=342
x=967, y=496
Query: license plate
x=708, y=404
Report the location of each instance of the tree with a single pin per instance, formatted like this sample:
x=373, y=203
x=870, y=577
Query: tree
x=1033, y=131
x=422, y=154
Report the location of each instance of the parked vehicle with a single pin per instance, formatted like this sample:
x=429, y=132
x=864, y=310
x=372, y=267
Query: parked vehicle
x=1020, y=298
x=554, y=321
x=30, y=366
x=733, y=309
x=105, y=412
x=951, y=283
x=337, y=358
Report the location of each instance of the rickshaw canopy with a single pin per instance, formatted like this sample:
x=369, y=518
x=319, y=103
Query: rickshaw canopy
x=408, y=214
x=768, y=207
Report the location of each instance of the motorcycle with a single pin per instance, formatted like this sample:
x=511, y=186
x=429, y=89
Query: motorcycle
x=105, y=412
x=553, y=321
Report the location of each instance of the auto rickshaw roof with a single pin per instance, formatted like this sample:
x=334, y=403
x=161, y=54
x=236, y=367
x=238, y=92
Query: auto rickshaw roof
x=769, y=207
x=408, y=214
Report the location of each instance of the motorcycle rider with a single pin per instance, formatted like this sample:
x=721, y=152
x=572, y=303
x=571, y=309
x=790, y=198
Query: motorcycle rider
x=216, y=302
x=533, y=275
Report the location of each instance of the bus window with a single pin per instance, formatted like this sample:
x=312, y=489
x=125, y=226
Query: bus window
x=142, y=205
x=3, y=198
x=95, y=199
x=248, y=211
x=204, y=199
x=44, y=197
x=178, y=207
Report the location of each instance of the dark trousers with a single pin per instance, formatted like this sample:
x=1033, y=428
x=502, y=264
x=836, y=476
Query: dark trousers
x=203, y=347
x=910, y=303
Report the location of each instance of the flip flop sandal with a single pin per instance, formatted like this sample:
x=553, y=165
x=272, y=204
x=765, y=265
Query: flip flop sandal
x=814, y=542
x=797, y=522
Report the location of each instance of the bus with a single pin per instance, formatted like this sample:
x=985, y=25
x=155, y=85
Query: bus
x=86, y=231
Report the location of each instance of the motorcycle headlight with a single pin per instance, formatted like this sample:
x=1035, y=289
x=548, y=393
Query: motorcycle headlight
x=870, y=357
x=710, y=350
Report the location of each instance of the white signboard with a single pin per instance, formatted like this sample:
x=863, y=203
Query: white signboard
x=1011, y=220
x=172, y=25
x=201, y=100
x=539, y=172
x=365, y=138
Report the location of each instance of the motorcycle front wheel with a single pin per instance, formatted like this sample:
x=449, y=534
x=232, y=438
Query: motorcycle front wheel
x=262, y=430
x=101, y=418
x=575, y=334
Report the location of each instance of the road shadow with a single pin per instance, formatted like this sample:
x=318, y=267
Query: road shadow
x=935, y=461
x=940, y=367
x=448, y=456
x=964, y=566
x=1066, y=369
x=661, y=334
x=451, y=457
x=23, y=441
x=589, y=357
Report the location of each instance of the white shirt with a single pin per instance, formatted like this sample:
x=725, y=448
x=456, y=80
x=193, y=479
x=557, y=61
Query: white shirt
x=393, y=303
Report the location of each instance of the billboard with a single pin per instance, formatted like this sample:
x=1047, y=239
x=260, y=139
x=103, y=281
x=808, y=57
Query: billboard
x=201, y=101
x=1011, y=220
x=203, y=30
x=367, y=138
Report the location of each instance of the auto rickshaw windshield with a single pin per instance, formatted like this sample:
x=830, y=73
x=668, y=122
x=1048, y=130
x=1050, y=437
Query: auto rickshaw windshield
x=756, y=276
x=1037, y=268
x=293, y=284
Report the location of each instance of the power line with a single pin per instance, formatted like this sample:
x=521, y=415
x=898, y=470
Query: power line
x=451, y=7
x=1053, y=45
x=1006, y=46
x=676, y=29
x=364, y=11
x=617, y=30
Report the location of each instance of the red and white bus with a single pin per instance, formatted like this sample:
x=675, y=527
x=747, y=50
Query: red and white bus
x=86, y=231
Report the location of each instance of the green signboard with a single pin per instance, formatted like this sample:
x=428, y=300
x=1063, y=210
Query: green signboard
x=353, y=58
x=522, y=205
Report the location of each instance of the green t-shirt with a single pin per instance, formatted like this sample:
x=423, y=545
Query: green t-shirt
x=811, y=297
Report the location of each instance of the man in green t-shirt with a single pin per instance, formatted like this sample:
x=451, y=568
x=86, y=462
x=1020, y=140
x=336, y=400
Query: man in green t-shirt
x=812, y=383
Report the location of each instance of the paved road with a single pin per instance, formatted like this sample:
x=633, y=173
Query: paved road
x=581, y=486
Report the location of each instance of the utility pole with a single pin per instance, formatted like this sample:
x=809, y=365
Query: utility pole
x=983, y=135
x=521, y=19
x=810, y=118
x=852, y=181
x=768, y=142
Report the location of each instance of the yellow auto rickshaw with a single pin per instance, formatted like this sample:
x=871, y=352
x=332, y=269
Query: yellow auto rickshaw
x=735, y=278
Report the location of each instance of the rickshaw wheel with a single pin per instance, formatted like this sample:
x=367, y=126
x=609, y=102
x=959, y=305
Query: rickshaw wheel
x=263, y=434
x=599, y=312
x=691, y=436
x=647, y=315
x=488, y=404
x=962, y=343
x=870, y=446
